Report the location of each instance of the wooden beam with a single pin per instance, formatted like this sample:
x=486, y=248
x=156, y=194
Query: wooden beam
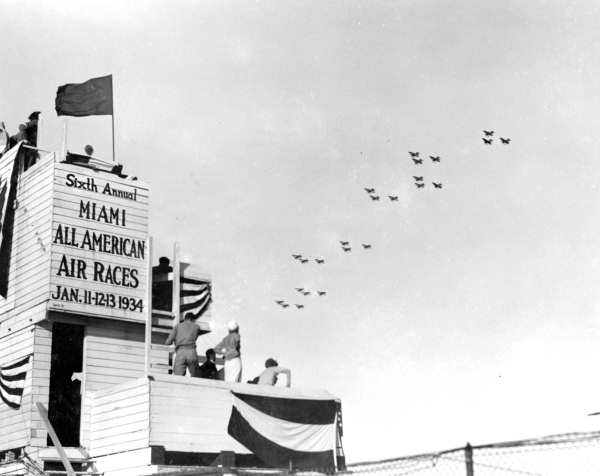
x=148, y=312
x=54, y=437
x=176, y=284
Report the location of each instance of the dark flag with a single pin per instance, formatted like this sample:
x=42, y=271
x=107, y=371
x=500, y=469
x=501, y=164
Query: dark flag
x=92, y=98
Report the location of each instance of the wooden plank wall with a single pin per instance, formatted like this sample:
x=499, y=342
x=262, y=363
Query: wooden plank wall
x=126, y=463
x=40, y=389
x=192, y=414
x=113, y=353
x=132, y=225
x=22, y=426
x=12, y=469
x=119, y=418
x=30, y=263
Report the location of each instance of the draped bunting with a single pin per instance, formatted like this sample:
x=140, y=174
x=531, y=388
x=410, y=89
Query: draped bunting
x=12, y=382
x=286, y=431
x=9, y=174
x=196, y=296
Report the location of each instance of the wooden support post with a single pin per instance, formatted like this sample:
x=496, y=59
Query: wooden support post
x=54, y=437
x=176, y=284
x=63, y=151
x=148, y=335
x=469, y=459
x=112, y=88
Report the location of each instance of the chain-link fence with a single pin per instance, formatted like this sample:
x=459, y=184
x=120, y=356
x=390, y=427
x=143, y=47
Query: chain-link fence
x=569, y=454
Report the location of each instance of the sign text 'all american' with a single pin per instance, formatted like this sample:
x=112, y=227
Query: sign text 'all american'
x=99, y=242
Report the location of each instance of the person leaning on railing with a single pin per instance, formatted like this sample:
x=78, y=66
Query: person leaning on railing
x=272, y=370
x=184, y=336
x=229, y=347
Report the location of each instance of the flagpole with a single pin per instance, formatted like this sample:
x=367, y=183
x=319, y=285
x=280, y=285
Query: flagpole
x=39, y=128
x=64, y=144
x=113, y=115
x=113, y=133
x=148, y=313
x=176, y=285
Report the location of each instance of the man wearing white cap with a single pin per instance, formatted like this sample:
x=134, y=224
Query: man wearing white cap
x=229, y=347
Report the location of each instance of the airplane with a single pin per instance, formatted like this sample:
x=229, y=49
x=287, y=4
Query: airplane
x=420, y=185
x=413, y=154
x=321, y=293
x=488, y=133
x=374, y=197
x=365, y=246
x=370, y=190
x=418, y=179
x=393, y=198
x=434, y=159
x=346, y=249
x=505, y=141
x=418, y=161
x=437, y=185
x=486, y=141
x=320, y=261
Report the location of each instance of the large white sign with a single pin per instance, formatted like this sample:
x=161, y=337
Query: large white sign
x=99, y=250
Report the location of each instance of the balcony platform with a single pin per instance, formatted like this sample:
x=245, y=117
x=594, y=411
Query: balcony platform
x=169, y=421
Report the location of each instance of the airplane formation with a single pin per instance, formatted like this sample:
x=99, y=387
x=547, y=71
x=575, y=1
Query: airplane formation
x=419, y=179
x=346, y=247
x=488, y=138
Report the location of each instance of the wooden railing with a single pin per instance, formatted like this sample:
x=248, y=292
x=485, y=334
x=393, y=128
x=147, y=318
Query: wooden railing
x=177, y=413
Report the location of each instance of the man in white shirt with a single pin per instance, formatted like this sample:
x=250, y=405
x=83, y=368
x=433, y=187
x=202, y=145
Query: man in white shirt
x=272, y=370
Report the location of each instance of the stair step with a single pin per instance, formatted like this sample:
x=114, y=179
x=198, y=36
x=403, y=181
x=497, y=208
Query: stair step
x=55, y=472
x=74, y=454
x=64, y=473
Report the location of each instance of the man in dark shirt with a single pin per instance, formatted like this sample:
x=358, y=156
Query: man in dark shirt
x=184, y=336
x=208, y=369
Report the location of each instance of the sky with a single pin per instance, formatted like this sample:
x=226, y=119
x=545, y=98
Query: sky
x=474, y=316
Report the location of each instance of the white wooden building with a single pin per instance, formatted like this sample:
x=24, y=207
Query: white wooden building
x=77, y=303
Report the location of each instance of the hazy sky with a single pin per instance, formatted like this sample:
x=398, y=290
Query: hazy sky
x=476, y=313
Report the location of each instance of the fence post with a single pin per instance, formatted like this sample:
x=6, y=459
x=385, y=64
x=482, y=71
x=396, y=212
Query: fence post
x=469, y=459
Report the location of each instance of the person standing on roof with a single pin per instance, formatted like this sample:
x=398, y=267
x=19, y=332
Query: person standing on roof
x=184, y=336
x=229, y=347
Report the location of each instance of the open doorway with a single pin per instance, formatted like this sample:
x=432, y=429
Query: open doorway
x=64, y=408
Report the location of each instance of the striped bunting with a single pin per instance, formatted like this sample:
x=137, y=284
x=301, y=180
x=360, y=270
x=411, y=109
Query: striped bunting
x=12, y=382
x=9, y=174
x=286, y=431
x=196, y=296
